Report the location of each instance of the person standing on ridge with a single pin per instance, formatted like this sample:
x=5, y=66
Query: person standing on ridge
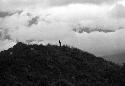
x=59, y=43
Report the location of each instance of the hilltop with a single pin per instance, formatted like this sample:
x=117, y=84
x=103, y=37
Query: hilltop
x=51, y=65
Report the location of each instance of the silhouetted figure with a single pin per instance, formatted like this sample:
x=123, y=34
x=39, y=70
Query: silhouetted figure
x=59, y=43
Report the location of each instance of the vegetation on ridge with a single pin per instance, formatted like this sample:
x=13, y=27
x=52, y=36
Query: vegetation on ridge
x=51, y=65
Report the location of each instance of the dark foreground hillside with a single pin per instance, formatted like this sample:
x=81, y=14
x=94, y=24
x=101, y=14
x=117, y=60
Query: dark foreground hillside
x=51, y=65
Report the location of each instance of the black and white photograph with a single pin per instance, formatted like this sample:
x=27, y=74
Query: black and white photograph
x=62, y=42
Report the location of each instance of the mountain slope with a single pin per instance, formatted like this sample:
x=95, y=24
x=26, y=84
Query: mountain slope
x=51, y=65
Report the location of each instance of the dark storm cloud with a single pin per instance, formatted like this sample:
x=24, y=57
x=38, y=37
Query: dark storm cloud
x=34, y=20
x=89, y=30
x=5, y=13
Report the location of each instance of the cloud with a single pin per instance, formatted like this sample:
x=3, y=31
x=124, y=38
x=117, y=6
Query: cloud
x=4, y=34
x=52, y=23
x=66, y=2
x=99, y=43
x=8, y=13
x=118, y=11
x=81, y=29
x=21, y=4
x=4, y=14
x=4, y=45
x=25, y=4
x=34, y=23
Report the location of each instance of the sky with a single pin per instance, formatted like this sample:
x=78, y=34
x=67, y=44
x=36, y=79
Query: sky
x=48, y=21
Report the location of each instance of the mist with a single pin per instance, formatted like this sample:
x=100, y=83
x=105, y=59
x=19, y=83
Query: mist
x=47, y=22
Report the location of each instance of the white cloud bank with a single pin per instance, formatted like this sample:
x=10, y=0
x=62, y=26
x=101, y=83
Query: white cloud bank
x=24, y=4
x=56, y=20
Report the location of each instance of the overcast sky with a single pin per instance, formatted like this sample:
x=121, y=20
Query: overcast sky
x=53, y=20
